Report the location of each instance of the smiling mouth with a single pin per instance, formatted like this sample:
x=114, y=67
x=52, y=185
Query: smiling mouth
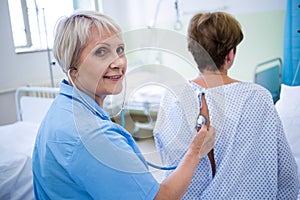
x=115, y=77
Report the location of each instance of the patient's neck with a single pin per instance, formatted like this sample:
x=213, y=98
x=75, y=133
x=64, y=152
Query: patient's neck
x=211, y=79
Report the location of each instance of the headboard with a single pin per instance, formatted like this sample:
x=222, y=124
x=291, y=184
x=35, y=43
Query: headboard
x=268, y=74
x=32, y=103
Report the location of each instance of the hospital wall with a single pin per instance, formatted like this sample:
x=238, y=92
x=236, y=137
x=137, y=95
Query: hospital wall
x=263, y=31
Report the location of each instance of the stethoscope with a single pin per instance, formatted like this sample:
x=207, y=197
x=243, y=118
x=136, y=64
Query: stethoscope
x=201, y=119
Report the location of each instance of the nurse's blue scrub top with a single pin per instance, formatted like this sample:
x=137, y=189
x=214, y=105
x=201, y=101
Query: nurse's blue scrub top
x=81, y=154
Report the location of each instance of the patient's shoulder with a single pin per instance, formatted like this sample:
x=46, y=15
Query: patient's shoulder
x=253, y=87
x=260, y=96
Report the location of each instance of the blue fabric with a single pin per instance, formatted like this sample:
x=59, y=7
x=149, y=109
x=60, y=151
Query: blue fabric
x=81, y=154
x=291, y=61
x=252, y=156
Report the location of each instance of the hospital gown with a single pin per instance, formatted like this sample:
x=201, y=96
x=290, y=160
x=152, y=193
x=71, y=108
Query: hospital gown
x=253, y=159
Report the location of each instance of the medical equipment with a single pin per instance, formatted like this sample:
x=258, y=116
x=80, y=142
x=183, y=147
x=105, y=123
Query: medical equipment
x=296, y=73
x=269, y=75
x=32, y=103
x=178, y=24
x=51, y=64
x=200, y=120
x=152, y=24
x=127, y=103
x=161, y=167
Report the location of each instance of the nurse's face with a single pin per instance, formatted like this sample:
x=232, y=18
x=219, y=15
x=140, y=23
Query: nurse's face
x=101, y=66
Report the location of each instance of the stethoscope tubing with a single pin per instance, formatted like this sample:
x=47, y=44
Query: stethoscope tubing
x=122, y=113
x=161, y=167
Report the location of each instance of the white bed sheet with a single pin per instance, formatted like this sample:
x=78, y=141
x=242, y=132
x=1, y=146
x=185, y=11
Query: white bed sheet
x=19, y=137
x=16, y=146
x=16, y=176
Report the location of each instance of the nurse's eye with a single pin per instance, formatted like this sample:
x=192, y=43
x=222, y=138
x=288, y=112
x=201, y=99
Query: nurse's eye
x=120, y=50
x=101, y=52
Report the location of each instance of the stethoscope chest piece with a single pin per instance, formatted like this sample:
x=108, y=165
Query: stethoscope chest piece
x=201, y=119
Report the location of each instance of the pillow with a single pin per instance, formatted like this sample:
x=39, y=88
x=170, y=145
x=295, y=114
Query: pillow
x=288, y=107
x=289, y=94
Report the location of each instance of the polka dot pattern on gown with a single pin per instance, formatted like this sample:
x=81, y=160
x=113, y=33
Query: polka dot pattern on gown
x=253, y=159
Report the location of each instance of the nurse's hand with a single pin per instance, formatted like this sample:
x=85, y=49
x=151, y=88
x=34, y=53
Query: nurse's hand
x=203, y=142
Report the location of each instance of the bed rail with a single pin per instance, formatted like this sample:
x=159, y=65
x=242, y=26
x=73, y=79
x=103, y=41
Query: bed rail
x=268, y=74
x=36, y=98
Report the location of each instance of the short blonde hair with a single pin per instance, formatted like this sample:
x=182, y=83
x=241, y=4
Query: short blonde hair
x=214, y=35
x=73, y=33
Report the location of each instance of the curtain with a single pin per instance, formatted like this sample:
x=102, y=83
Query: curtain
x=291, y=57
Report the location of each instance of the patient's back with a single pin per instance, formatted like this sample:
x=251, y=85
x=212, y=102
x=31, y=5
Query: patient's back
x=253, y=159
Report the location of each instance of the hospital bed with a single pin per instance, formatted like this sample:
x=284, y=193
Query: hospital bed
x=17, y=141
x=268, y=74
x=141, y=105
x=286, y=99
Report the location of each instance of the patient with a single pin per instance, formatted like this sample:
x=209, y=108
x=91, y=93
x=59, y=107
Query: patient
x=251, y=158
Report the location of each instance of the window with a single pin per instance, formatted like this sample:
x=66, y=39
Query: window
x=33, y=21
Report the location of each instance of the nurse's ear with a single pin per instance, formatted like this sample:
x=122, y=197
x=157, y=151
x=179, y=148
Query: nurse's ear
x=73, y=72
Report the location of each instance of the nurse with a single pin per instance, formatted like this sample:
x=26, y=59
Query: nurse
x=79, y=152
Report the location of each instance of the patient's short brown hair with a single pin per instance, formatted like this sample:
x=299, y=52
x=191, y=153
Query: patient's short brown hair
x=210, y=38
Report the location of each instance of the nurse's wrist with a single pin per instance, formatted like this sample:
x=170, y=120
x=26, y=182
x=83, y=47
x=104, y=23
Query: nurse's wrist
x=192, y=156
